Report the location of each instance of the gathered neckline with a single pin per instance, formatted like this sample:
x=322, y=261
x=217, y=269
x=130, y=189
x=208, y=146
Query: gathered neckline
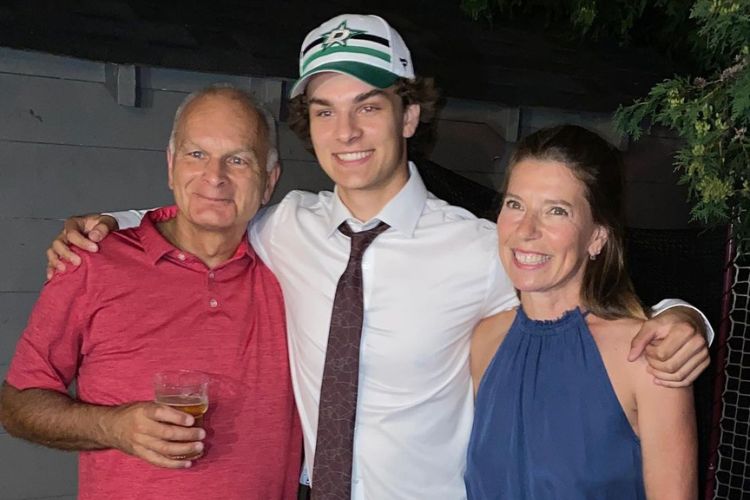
x=568, y=317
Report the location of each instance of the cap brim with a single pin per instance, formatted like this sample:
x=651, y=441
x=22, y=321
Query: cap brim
x=377, y=77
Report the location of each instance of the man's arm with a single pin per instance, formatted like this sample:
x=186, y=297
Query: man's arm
x=153, y=432
x=84, y=232
x=34, y=403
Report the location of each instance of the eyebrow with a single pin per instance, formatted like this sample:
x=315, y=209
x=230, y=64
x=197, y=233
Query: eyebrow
x=188, y=144
x=367, y=95
x=359, y=98
x=548, y=201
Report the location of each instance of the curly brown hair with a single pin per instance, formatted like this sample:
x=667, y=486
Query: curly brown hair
x=420, y=90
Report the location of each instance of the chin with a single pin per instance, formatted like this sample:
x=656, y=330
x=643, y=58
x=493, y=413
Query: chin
x=212, y=220
x=349, y=180
x=524, y=284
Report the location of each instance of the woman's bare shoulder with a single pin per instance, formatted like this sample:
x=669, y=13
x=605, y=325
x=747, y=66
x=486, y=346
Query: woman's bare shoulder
x=488, y=335
x=615, y=330
x=613, y=336
x=496, y=325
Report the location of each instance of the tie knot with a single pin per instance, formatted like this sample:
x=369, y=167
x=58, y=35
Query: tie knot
x=362, y=239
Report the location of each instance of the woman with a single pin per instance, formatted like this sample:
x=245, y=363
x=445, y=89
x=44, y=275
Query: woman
x=560, y=412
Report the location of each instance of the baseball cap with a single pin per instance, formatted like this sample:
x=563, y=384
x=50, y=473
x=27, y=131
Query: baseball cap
x=365, y=47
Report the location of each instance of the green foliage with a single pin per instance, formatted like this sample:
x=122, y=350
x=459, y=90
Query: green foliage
x=620, y=20
x=711, y=114
x=724, y=29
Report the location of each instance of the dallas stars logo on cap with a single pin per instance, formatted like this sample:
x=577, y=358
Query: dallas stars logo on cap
x=365, y=47
x=339, y=35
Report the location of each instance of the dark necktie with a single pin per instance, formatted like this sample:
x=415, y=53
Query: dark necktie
x=332, y=470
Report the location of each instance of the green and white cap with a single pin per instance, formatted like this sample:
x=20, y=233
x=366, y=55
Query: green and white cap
x=365, y=47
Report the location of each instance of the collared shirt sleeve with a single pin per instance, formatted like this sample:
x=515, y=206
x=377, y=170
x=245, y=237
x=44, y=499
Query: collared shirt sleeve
x=665, y=304
x=128, y=218
x=49, y=349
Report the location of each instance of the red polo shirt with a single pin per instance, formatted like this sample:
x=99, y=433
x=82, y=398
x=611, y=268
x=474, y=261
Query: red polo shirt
x=140, y=306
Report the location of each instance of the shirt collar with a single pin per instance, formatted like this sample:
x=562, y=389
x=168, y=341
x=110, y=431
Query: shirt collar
x=157, y=246
x=402, y=212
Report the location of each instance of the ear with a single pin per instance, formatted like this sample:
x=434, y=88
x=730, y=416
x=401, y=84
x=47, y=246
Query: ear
x=411, y=120
x=170, y=168
x=271, y=179
x=598, y=240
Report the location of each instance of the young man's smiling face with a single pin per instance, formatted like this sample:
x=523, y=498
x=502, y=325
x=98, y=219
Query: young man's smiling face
x=359, y=135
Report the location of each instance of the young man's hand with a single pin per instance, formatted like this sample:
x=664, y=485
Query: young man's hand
x=83, y=232
x=674, y=344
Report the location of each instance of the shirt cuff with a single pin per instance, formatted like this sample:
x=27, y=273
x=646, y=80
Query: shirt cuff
x=670, y=303
x=127, y=219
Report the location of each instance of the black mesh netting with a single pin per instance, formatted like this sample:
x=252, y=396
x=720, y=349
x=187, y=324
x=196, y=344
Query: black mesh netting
x=732, y=463
x=688, y=264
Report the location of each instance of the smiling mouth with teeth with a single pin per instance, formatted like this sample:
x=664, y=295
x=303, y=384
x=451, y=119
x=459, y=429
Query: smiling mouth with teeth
x=354, y=156
x=530, y=258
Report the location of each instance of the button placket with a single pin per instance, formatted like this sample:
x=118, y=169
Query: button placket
x=213, y=302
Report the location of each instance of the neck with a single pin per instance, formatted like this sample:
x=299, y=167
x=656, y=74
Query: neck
x=364, y=204
x=211, y=247
x=548, y=305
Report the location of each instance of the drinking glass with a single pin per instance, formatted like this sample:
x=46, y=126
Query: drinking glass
x=184, y=390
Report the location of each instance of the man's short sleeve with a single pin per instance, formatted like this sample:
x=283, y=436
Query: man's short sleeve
x=48, y=352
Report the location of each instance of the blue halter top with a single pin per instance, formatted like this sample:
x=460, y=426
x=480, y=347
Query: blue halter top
x=547, y=423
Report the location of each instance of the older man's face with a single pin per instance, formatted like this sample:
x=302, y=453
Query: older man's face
x=217, y=167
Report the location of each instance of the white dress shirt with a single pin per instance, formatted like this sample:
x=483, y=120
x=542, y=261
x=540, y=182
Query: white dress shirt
x=427, y=281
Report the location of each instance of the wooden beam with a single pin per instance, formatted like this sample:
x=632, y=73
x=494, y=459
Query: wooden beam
x=122, y=82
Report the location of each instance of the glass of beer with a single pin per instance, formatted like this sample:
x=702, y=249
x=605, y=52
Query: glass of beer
x=184, y=390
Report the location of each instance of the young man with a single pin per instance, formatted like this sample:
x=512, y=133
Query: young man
x=426, y=281
x=183, y=291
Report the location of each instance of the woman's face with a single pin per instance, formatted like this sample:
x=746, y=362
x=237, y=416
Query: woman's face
x=546, y=231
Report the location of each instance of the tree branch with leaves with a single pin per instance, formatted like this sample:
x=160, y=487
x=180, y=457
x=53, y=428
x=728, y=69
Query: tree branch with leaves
x=711, y=113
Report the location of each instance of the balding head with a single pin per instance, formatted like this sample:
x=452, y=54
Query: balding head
x=221, y=168
x=245, y=101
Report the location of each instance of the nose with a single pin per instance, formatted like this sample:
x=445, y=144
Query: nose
x=215, y=172
x=347, y=128
x=528, y=227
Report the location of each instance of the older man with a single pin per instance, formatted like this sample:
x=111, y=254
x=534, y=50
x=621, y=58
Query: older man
x=184, y=290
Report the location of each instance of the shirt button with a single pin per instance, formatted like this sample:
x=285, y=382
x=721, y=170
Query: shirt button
x=181, y=256
x=213, y=303
x=211, y=275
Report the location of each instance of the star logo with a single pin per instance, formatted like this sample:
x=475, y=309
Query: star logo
x=339, y=36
